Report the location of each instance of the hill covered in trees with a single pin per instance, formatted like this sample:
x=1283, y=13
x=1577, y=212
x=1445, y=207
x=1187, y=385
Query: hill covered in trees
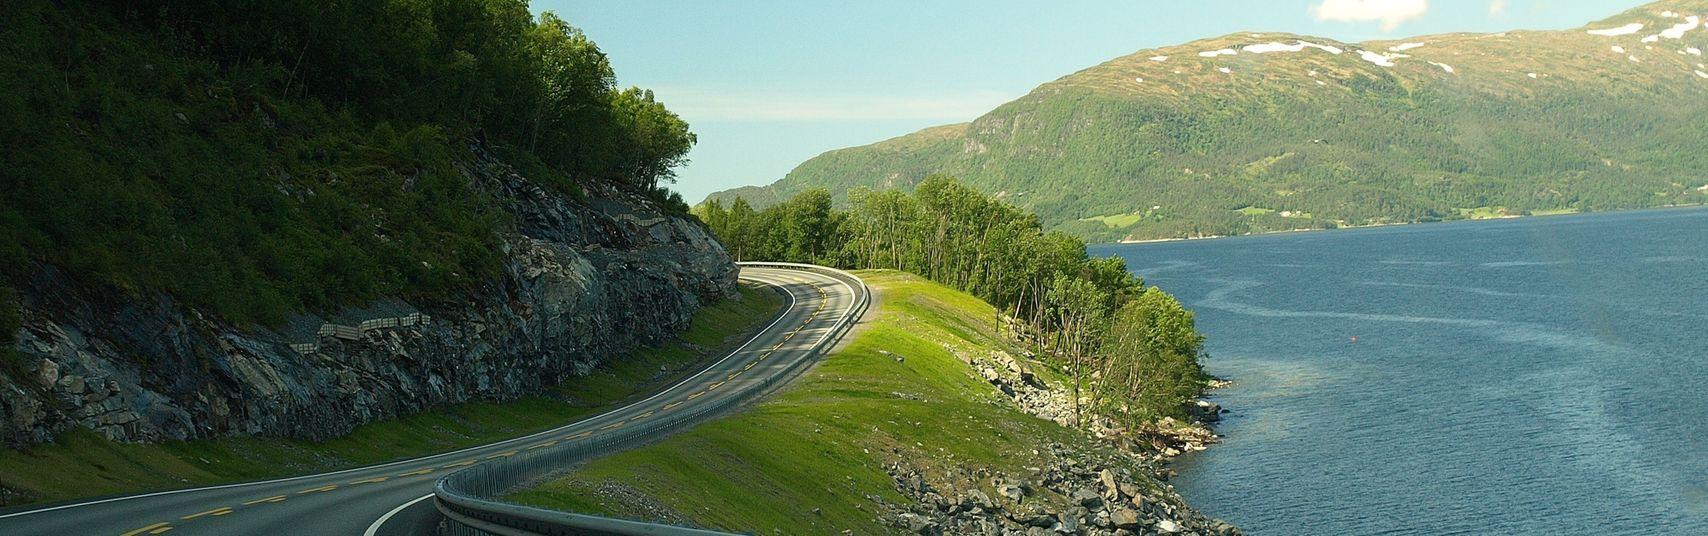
x=258, y=158
x=1254, y=132
x=1129, y=350
x=291, y=218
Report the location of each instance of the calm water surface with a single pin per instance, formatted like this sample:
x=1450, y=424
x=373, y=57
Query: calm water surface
x=1534, y=376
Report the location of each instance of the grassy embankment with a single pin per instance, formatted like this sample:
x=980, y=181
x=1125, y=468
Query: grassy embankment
x=82, y=464
x=823, y=444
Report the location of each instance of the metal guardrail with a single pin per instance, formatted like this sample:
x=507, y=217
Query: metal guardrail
x=472, y=499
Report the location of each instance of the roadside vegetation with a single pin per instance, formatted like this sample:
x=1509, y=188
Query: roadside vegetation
x=813, y=458
x=851, y=444
x=259, y=158
x=1131, y=352
x=82, y=464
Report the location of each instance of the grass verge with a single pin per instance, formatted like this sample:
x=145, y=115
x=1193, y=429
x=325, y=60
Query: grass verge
x=814, y=459
x=83, y=464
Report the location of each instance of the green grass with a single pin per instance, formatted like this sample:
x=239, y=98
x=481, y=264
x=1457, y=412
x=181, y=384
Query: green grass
x=82, y=464
x=825, y=441
x=1256, y=211
x=1116, y=221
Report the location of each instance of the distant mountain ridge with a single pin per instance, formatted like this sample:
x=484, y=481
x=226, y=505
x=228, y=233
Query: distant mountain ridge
x=1254, y=132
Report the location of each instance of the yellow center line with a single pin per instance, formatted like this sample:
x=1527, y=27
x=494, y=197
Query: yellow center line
x=714, y=386
x=463, y=463
x=504, y=454
x=146, y=529
x=420, y=472
x=273, y=499
x=374, y=480
x=579, y=436
x=696, y=395
x=161, y=530
x=223, y=510
x=543, y=445
x=641, y=416
x=750, y=366
x=325, y=488
x=611, y=426
x=732, y=375
x=672, y=405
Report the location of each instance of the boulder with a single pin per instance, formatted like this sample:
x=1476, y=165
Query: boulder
x=1087, y=498
x=1111, y=487
x=1130, y=490
x=1067, y=523
x=48, y=373
x=979, y=499
x=1125, y=518
x=1167, y=526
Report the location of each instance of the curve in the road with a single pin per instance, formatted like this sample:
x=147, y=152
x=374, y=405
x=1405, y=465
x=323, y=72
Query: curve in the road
x=473, y=502
x=350, y=501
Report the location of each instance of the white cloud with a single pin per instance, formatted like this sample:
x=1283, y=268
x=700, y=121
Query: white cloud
x=1497, y=7
x=1391, y=13
x=695, y=104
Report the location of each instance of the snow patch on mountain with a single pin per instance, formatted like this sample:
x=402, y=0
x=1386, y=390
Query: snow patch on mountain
x=1297, y=46
x=1677, y=31
x=1385, y=60
x=1627, y=29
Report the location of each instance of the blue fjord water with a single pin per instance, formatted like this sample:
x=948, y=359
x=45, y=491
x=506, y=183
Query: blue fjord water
x=1531, y=376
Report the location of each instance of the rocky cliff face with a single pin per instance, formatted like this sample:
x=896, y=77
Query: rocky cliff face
x=585, y=279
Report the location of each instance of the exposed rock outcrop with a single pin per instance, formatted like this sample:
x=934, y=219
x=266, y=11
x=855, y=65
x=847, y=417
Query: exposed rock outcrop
x=584, y=279
x=1091, y=492
x=1115, y=486
x=1164, y=439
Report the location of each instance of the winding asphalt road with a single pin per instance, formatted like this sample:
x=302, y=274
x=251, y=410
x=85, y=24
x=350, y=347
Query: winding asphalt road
x=393, y=498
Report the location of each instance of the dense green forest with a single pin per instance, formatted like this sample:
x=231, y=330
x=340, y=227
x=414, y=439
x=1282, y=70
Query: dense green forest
x=1131, y=349
x=1168, y=142
x=256, y=158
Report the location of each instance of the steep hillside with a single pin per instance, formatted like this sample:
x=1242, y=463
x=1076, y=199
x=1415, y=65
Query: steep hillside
x=291, y=218
x=1266, y=131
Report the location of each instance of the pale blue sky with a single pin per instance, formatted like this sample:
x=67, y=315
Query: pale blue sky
x=768, y=84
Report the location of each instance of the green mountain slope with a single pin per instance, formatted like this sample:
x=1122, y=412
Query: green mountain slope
x=255, y=160
x=1256, y=132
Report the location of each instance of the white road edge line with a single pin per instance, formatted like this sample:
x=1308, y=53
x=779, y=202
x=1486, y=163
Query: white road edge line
x=375, y=528
x=854, y=301
x=435, y=456
x=732, y=353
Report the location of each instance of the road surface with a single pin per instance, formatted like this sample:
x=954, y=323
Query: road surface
x=392, y=498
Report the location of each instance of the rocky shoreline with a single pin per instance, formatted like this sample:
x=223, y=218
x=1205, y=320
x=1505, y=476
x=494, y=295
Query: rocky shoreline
x=1119, y=490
